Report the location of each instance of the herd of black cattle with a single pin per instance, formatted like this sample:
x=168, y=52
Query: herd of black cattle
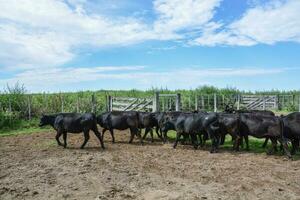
x=197, y=127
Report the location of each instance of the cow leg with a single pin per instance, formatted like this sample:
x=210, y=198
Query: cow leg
x=295, y=146
x=98, y=135
x=265, y=143
x=237, y=143
x=151, y=133
x=131, y=137
x=283, y=141
x=194, y=140
x=200, y=139
x=165, y=138
x=178, y=135
x=58, y=134
x=112, y=135
x=274, y=145
x=157, y=133
x=146, y=133
x=86, y=138
x=138, y=133
x=65, y=139
x=222, y=139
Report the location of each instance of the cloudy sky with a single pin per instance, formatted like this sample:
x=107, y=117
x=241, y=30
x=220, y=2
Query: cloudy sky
x=71, y=45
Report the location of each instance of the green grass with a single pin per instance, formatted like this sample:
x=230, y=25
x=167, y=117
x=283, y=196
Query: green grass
x=22, y=131
x=22, y=127
x=255, y=145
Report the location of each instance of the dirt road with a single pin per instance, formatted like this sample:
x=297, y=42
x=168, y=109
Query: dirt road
x=34, y=167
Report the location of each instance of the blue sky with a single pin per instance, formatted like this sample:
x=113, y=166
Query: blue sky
x=71, y=45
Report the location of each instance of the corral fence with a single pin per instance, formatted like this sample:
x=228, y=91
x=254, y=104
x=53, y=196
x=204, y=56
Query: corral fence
x=34, y=105
x=158, y=102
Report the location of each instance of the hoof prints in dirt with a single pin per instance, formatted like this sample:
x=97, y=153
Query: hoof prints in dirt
x=33, y=168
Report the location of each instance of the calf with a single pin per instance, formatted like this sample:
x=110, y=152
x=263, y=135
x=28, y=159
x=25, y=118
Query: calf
x=120, y=120
x=65, y=123
x=148, y=121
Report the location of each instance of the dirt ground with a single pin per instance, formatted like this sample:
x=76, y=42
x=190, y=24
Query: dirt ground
x=34, y=167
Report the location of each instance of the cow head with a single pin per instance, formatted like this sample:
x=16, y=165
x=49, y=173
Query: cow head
x=45, y=120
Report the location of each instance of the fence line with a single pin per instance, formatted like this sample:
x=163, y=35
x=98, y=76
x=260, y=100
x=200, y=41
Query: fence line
x=34, y=105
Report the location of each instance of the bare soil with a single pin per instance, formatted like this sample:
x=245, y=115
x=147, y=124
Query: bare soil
x=34, y=167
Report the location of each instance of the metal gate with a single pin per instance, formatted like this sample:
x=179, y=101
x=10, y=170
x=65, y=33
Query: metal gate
x=259, y=102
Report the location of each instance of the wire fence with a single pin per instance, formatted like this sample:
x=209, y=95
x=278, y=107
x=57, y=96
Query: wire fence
x=30, y=106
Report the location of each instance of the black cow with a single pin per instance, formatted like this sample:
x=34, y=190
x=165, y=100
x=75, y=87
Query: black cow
x=292, y=129
x=165, y=127
x=255, y=112
x=191, y=124
x=228, y=123
x=263, y=126
x=148, y=121
x=120, y=120
x=65, y=123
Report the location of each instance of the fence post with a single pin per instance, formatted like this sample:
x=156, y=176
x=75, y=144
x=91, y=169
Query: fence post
x=155, y=106
x=93, y=103
x=264, y=102
x=110, y=103
x=196, y=102
x=29, y=107
x=202, y=102
x=178, y=101
x=215, y=102
x=77, y=104
x=277, y=102
x=10, y=110
x=238, y=101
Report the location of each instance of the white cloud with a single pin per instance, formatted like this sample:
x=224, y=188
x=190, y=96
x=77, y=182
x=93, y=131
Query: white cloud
x=47, y=33
x=44, y=33
x=276, y=21
x=176, y=15
x=139, y=75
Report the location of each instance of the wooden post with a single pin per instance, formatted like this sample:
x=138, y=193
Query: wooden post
x=264, y=102
x=29, y=107
x=196, y=102
x=215, y=102
x=238, y=101
x=10, y=110
x=202, y=102
x=110, y=102
x=156, y=107
x=276, y=103
x=178, y=102
x=77, y=104
x=93, y=103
